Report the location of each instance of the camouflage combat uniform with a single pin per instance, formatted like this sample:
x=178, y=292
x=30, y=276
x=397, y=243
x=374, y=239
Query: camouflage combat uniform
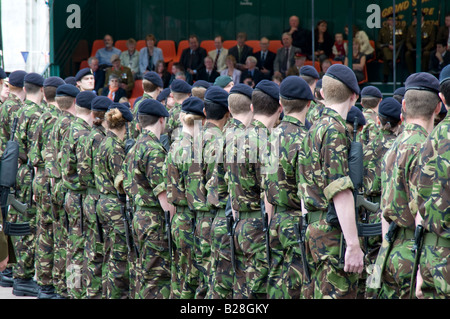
x=314, y=112
x=108, y=174
x=173, y=126
x=146, y=180
x=221, y=272
x=245, y=183
x=7, y=110
x=42, y=190
x=281, y=187
x=397, y=170
x=53, y=149
x=186, y=191
x=433, y=204
x=323, y=171
x=371, y=129
x=72, y=147
x=95, y=237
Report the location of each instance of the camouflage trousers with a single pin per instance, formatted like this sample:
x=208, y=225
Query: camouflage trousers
x=93, y=248
x=116, y=276
x=221, y=275
x=203, y=252
x=435, y=271
x=183, y=268
x=251, y=259
x=396, y=277
x=60, y=234
x=75, y=245
x=329, y=281
x=153, y=277
x=44, y=234
x=286, y=270
x=25, y=245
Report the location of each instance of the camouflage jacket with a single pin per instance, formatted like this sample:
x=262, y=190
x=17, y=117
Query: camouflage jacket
x=144, y=168
x=72, y=147
x=397, y=170
x=432, y=185
x=281, y=185
x=173, y=126
x=314, y=112
x=89, y=148
x=245, y=159
x=185, y=184
x=373, y=156
x=217, y=185
x=323, y=161
x=41, y=137
x=7, y=111
x=371, y=129
x=53, y=149
x=108, y=165
x=28, y=117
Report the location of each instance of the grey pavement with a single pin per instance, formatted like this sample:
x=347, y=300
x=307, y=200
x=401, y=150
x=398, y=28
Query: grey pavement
x=6, y=293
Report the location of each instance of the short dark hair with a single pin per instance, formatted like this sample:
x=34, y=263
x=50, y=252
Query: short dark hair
x=445, y=90
x=146, y=119
x=214, y=111
x=50, y=93
x=264, y=104
x=31, y=88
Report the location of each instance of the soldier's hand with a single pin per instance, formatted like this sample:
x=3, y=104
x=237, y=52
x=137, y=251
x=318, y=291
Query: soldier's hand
x=418, y=287
x=3, y=264
x=354, y=259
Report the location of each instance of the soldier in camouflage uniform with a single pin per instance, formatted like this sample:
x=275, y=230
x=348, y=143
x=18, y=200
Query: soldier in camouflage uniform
x=72, y=147
x=324, y=180
x=41, y=189
x=316, y=108
x=65, y=100
x=421, y=103
x=7, y=109
x=186, y=191
x=94, y=235
x=311, y=76
x=281, y=190
x=180, y=90
x=145, y=182
x=108, y=172
x=24, y=270
x=245, y=170
x=370, y=100
x=216, y=109
x=221, y=274
x=432, y=189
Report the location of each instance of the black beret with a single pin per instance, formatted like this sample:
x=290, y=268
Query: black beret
x=70, y=80
x=400, y=91
x=371, y=91
x=242, y=88
x=422, y=81
x=217, y=95
x=193, y=105
x=34, y=78
x=2, y=74
x=67, y=90
x=356, y=112
x=345, y=75
x=163, y=95
x=444, y=76
x=270, y=88
x=126, y=113
x=180, y=86
x=154, y=78
x=16, y=78
x=295, y=88
x=201, y=83
x=390, y=107
x=54, y=81
x=100, y=103
x=83, y=72
x=84, y=99
x=152, y=107
x=309, y=70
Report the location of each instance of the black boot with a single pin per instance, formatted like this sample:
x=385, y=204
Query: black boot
x=6, y=278
x=46, y=292
x=25, y=287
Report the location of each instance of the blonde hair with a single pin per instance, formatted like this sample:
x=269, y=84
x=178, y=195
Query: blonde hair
x=115, y=119
x=239, y=103
x=334, y=91
x=189, y=119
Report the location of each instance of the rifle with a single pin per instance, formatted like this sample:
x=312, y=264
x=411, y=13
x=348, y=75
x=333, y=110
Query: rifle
x=8, y=173
x=80, y=202
x=129, y=143
x=31, y=168
x=168, y=231
x=417, y=248
x=127, y=223
x=231, y=228
x=266, y=230
x=99, y=225
x=300, y=231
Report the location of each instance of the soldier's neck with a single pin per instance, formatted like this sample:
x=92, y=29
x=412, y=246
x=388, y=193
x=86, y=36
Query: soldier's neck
x=245, y=118
x=428, y=124
x=35, y=98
